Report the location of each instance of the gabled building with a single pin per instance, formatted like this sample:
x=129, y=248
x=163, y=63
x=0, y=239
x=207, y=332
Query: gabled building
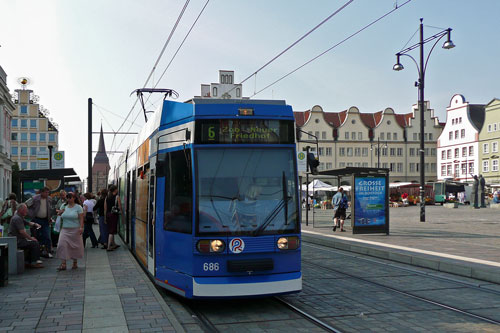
x=225, y=89
x=382, y=139
x=7, y=108
x=489, y=139
x=458, y=145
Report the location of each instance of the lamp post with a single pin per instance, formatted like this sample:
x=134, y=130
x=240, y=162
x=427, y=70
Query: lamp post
x=378, y=150
x=421, y=84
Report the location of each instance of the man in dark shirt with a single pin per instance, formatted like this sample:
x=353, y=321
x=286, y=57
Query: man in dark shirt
x=25, y=241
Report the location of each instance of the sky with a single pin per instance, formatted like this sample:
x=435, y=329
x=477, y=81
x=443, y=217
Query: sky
x=104, y=49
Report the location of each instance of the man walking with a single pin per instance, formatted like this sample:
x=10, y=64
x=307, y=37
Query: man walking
x=339, y=203
x=39, y=211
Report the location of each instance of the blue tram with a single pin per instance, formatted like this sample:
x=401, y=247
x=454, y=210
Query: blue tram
x=210, y=197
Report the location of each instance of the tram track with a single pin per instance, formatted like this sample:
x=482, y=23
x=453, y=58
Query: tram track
x=402, y=292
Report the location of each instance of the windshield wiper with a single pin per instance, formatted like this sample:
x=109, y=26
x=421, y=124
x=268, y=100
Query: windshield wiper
x=282, y=204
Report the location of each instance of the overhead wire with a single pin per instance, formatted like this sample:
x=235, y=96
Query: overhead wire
x=294, y=43
x=409, y=40
x=156, y=64
x=173, y=57
x=331, y=48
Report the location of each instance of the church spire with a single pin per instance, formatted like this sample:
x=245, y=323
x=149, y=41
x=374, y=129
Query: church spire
x=101, y=156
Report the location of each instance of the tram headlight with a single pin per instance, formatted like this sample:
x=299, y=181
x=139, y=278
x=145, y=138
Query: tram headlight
x=217, y=245
x=210, y=245
x=288, y=243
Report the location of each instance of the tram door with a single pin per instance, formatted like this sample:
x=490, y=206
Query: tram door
x=151, y=221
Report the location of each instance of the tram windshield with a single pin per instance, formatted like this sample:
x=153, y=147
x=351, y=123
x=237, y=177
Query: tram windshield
x=246, y=191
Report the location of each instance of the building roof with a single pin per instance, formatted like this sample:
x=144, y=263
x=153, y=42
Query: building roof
x=301, y=117
x=476, y=115
x=336, y=119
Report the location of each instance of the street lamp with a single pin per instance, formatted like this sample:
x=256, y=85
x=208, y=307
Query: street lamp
x=420, y=84
x=378, y=150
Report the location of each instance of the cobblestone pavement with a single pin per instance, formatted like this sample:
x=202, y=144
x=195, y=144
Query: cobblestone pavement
x=463, y=231
x=109, y=292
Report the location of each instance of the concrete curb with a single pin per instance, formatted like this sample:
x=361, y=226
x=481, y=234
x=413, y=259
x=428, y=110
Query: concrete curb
x=468, y=269
x=170, y=315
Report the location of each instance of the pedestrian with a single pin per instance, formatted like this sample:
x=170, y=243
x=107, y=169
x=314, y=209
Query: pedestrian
x=340, y=204
x=103, y=226
x=70, y=244
x=112, y=211
x=24, y=241
x=8, y=210
x=39, y=210
x=88, y=213
x=496, y=198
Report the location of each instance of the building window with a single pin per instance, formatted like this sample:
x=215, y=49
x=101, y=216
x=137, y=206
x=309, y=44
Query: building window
x=328, y=151
x=443, y=154
x=24, y=123
x=360, y=136
x=365, y=164
x=42, y=148
x=238, y=92
x=494, y=147
x=24, y=109
x=486, y=148
x=430, y=137
x=349, y=164
x=462, y=133
x=486, y=166
x=385, y=165
x=448, y=154
x=433, y=151
x=347, y=135
x=456, y=134
x=349, y=151
x=32, y=151
x=13, y=136
x=392, y=166
x=394, y=136
x=426, y=136
x=443, y=170
x=328, y=165
x=448, y=170
x=357, y=151
x=412, y=167
x=494, y=127
x=382, y=136
x=32, y=123
x=365, y=151
x=52, y=137
x=24, y=165
x=316, y=134
x=357, y=164
x=433, y=167
x=489, y=128
x=321, y=151
x=471, y=151
x=341, y=151
x=24, y=136
x=353, y=136
x=33, y=137
x=412, y=152
x=214, y=91
x=457, y=171
x=33, y=165
x=494, y=165
x=389, y=136
x=400, y=151
x=342, y=165
x=14, y=123
x=24, y=151
x=43, y=137
x=450, y=136
x=392, y=151
x=471, y=168
x=14, y=151
x=414, y=136
x=399, y=167
x=384, y=151
x=464, y=151
x=323, y=135
x=464, y=168
x=457, y=153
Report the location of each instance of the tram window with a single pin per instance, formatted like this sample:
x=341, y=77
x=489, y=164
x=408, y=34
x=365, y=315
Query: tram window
x=178, y=192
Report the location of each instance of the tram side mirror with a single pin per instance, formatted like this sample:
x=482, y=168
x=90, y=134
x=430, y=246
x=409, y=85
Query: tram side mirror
x=188, y=135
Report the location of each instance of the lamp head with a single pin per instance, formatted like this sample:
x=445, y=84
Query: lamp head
x=397, y=66
x=448, y=44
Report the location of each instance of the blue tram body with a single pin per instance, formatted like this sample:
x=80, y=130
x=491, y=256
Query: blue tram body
x=210, y=197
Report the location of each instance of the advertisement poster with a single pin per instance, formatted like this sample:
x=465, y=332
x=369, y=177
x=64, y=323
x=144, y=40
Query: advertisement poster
x=370, y=201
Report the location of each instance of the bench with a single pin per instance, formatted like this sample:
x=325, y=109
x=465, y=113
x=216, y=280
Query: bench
x=12, y=241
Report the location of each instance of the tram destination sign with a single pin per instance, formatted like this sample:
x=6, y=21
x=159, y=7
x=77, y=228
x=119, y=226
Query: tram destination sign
x=257, y=131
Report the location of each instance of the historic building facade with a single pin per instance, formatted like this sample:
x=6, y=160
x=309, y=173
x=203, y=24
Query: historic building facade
x=6, y=109
x=458, y=145
x=382, y=139
x=225, y=89
x=32, y=131
x=489, y=139
x=100, y=168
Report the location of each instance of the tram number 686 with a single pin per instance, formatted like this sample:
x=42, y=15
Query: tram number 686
x=210, y=266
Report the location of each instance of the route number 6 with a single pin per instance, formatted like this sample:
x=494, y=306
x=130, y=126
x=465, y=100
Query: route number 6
x=212, y=266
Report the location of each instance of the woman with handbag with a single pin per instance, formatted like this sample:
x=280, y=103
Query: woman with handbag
x=112, y=211
x=70, y=245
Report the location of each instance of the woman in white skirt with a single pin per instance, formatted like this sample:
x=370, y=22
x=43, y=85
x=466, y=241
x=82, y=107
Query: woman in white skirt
x=70, y=245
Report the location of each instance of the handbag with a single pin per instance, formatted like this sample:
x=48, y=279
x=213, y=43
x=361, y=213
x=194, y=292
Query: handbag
x=7, y=214
x=115, y=209
x=58, y=225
